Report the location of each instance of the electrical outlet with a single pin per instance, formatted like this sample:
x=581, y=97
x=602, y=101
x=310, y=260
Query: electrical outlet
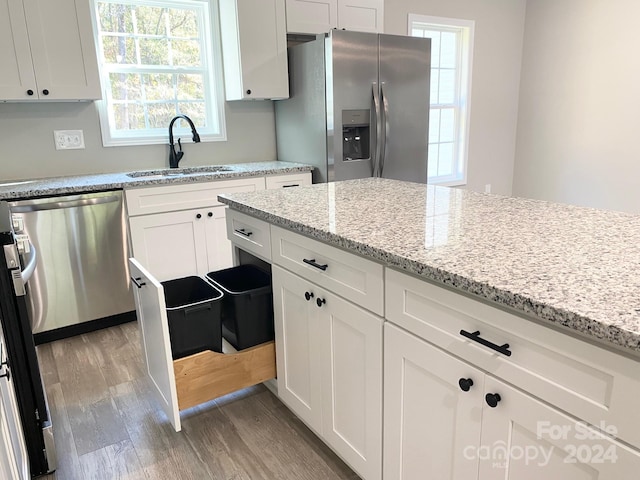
x=68, y=139
x=487, y=188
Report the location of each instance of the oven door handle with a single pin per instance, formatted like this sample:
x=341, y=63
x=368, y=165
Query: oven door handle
x=31, y=264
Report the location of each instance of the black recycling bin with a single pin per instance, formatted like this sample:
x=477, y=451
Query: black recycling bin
x=193, y=311
x=247, y=305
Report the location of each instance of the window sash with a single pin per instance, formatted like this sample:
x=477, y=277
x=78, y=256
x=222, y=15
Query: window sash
x=447, y=156
x=209, y=68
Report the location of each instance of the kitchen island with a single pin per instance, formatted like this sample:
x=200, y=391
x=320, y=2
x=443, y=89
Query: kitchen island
x=501, y=316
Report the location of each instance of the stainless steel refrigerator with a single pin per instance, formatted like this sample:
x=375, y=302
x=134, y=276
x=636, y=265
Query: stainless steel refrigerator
x=358, y=106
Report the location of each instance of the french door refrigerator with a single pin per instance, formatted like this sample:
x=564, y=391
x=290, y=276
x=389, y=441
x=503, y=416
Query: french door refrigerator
x=33, y=437
x=358, y=106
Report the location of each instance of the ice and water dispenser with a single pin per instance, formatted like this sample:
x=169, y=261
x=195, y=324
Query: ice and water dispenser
x=355, y=135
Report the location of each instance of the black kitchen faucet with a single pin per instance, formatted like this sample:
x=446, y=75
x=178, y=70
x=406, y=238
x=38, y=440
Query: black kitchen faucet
x=175, y=157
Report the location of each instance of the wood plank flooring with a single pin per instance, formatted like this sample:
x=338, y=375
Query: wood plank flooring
x=107, y=426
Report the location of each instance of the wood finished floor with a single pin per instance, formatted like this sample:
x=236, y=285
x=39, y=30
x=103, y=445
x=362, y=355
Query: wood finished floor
x=107, y=426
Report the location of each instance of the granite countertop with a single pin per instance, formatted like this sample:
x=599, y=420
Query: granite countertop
x=573, y=266
x=14, y=189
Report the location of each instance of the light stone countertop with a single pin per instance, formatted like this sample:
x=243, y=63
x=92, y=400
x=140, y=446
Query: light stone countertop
x=573, y=266
x=44, y=187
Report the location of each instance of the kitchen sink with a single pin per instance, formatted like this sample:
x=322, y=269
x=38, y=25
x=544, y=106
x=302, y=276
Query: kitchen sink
x=18, y=182
x=149, y=174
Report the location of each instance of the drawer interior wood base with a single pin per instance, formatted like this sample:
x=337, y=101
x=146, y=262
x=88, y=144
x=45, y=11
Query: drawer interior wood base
x=208, y=375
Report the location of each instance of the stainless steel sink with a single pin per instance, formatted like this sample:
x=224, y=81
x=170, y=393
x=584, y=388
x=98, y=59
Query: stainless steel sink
x=18, y=182
x=150, y=174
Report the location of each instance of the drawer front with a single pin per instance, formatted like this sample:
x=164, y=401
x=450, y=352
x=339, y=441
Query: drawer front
x=167, y=198
x=592, y=383
x=249, y=234
x=352, y=277
x=286, y=181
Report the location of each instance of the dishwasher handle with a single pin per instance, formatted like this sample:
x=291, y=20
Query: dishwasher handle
x=55, y=205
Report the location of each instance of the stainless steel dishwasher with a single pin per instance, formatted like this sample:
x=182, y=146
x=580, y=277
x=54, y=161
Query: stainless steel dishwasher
x=82, y=271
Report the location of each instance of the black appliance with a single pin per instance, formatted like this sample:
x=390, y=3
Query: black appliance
x=22, y=361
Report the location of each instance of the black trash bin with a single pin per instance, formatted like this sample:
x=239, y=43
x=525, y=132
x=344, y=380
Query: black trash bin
x=247, y=305
x=193, y=311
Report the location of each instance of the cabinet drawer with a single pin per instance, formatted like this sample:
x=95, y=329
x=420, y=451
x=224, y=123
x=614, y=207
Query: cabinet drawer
x=352, y=277
x=249, y=233
x=592, y=383
x=286, y=181
x=166, y=198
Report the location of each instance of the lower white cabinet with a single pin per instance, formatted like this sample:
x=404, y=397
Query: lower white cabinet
x=182, y=243
x=329, y=358
x=449, y=420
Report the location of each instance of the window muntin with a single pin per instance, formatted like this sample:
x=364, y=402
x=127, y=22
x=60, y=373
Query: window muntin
x=156, y=61
x=451, y=54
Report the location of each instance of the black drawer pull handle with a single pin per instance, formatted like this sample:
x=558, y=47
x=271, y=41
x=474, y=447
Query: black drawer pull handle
x=137, y=282
x=492, y=399
x=313, y=263
x=475, y=336
x=308, y=295
x=320, y=301
x=6, y=374
x=242, y=231
x=465, y=384
x=292, y=185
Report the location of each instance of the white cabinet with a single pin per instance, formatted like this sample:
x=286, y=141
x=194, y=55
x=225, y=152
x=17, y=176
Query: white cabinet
x=288, y=180
x=189, y=381
x=446, y=417
x=428, y=419
x=47, y=51
x=180, y=230
x=320, y=16
x=254, y=48
x=329, y=357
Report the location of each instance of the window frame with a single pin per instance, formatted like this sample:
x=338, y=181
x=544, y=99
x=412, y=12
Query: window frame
x=214, y=81
x=462, y=104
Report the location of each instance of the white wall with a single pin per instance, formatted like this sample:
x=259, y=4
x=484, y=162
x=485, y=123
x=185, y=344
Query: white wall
x=27, y=149
x=578, y=135
x=499, y=26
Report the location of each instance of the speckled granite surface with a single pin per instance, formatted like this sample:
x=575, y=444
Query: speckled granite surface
x=574, y=266
x=14, y=189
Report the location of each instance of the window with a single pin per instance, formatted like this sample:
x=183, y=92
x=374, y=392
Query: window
x=451, y=56
x=158, y=59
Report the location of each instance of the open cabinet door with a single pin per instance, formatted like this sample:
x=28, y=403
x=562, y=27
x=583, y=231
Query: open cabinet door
x=152, y=319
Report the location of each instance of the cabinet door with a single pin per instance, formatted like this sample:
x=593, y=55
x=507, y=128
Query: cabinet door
x=62, y=49
x=254, y=43
x=287, y=181
x=219, y=253
x=171, y=245
x=154, y=333
x=361, y=15
x=311, y=16
x=429, y=421
x=352, y=383
x=16, y=74
x=298, y=345
x=525, y=439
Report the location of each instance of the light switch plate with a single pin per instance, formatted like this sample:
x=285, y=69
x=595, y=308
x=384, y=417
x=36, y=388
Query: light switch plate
x=68, y=139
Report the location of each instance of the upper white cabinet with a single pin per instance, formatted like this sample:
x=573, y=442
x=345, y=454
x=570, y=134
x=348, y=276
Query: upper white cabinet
x=254, y=45
x=47, y=51
x=320, y=16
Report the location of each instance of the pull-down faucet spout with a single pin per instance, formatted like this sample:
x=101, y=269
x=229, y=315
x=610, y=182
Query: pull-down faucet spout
x=175, y=157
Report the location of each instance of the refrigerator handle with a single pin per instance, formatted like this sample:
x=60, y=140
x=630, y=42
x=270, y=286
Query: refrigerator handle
x=385, y=137
x=375, y=160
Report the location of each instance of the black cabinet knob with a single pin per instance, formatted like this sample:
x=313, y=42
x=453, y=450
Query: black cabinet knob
x=249, y=92
x=308, y=295
x=492, y=399
x=465, y=384
x=199, y=216
x=320, y=301
x=210, y=214
x=29, y=92
x=45, y=92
